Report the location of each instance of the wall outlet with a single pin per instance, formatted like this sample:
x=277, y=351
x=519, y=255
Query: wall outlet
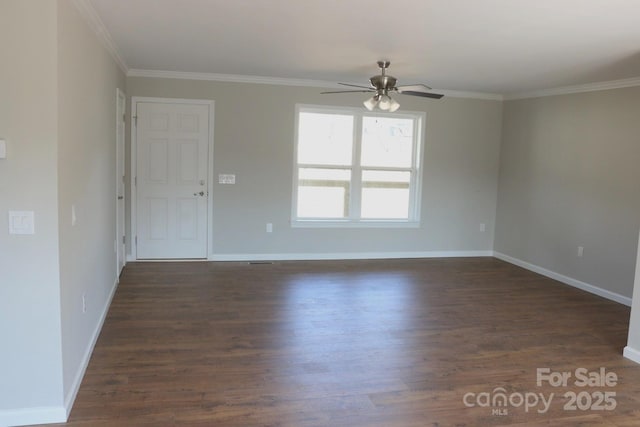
x=483, y=227
x=269, y=227
x=580, y=251
x=84, y=303
x=73, y=215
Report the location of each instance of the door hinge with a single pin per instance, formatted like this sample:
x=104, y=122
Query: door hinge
x=124, y=117
x=123, y=240
x=135, y=180
x=136, y=240
x=135, y=120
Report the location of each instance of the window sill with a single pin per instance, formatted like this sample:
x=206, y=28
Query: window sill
x=337, y=223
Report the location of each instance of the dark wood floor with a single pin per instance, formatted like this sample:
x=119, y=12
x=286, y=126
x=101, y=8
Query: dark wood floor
x=352, y=343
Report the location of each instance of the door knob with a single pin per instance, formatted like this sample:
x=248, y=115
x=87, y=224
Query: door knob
x=199, y=194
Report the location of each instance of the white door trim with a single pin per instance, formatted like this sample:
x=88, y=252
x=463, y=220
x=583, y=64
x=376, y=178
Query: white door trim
x=121, y=110
x=134, y=102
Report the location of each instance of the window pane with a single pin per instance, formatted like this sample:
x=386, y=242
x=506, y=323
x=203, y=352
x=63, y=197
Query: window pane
x=323, y=193
x=385, y=194
x=387, y=141
x=325, y=139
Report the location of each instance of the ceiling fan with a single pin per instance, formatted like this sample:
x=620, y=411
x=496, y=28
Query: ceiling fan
x=383, y=84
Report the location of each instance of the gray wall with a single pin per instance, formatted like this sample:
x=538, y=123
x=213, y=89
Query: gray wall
x=57, y=113
x=30, y=359
x=87, y=82
x=569, y=177
x=254, y=139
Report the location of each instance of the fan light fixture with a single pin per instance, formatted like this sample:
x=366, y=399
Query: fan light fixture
x=383, y=102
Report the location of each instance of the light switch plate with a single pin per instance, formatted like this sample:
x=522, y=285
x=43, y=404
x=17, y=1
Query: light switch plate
x=3, y=149
x=21, y=222
x=226, y=178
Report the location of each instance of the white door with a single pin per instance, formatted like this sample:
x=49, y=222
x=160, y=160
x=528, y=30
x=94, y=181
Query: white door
x=120, y=188
x=172, y=141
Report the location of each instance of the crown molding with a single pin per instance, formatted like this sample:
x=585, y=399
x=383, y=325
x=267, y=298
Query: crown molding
x=566, y=90
x=230, y=78
x=473, y=95
x=236, y=78
x=90, y=15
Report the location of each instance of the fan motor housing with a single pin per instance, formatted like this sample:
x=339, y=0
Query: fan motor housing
x=383, y=82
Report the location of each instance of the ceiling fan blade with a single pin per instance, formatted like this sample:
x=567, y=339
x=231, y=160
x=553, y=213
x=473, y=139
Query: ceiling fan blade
x=348, y=84
x=348, y=91
x=422, y=94
x=415, y=88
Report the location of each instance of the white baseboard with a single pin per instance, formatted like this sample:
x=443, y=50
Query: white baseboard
x=566, y=280
x=346, y=256
x=73, y=392
x=31, y=416
x=631, y=354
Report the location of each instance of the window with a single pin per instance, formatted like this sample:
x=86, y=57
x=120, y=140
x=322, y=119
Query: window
x=356, y=168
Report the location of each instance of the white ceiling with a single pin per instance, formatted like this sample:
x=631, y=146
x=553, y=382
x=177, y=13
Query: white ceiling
x=489, y=46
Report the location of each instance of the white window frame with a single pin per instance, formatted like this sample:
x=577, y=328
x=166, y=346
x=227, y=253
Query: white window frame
x=353, y=221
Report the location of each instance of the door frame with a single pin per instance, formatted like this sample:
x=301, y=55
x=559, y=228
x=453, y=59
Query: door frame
x=134, y=161
x=121, y=249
